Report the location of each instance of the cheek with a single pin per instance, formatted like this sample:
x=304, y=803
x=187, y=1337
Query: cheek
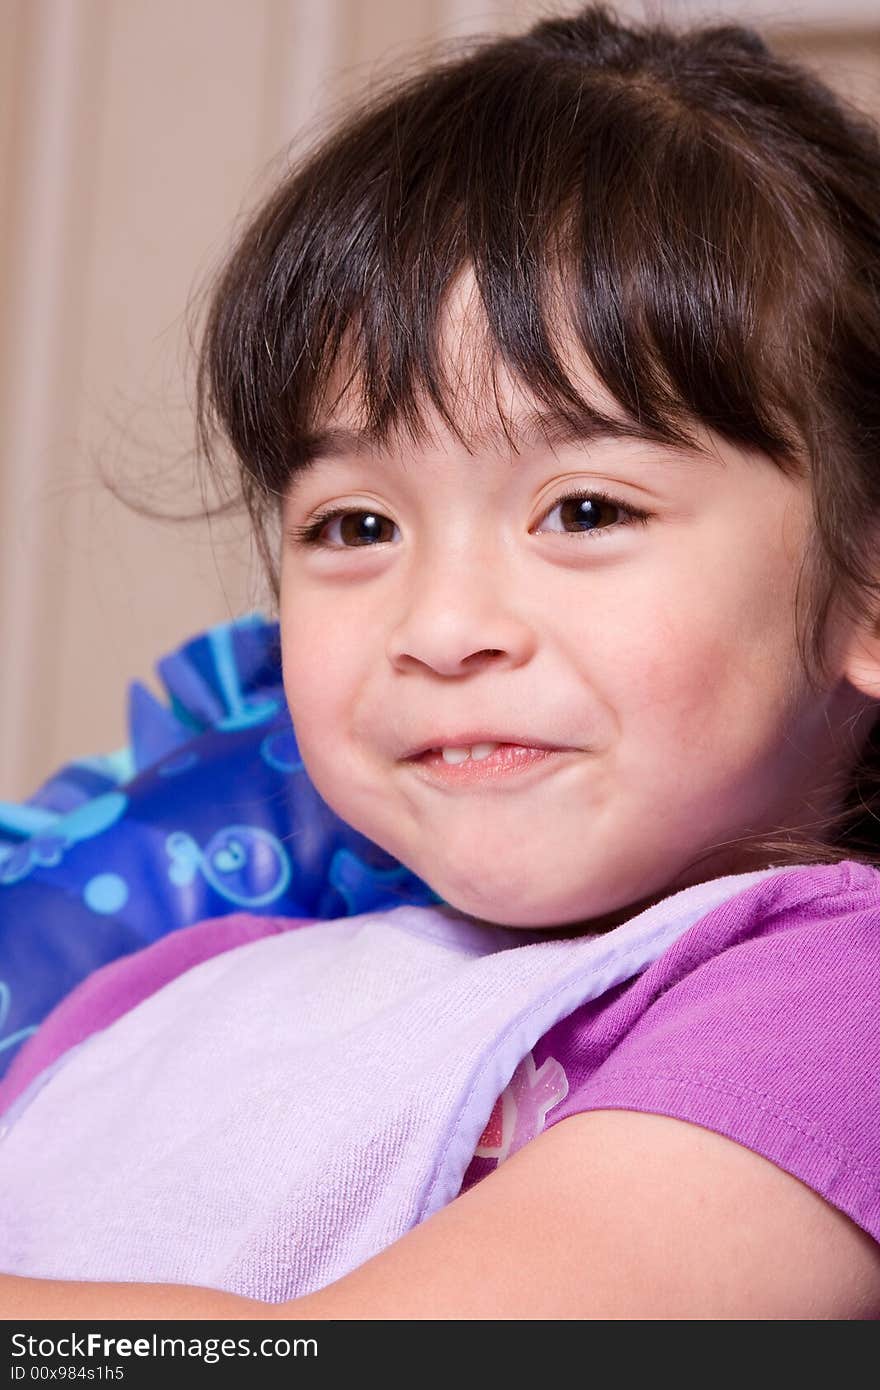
x=722, y=752
x=311, y=662
x=324, y=675
x=710, y=678
x=314, y=720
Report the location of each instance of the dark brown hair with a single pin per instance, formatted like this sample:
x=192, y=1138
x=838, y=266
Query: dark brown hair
x=711, y=212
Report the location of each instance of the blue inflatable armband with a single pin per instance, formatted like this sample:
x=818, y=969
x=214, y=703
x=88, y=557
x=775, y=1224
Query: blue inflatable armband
x=208, y=810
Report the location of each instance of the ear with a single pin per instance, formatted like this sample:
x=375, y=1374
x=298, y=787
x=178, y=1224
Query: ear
x=862, y=661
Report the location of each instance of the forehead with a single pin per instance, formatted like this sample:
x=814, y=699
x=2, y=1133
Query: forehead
x=533, y=428
x=479, y=390
x=493, y=411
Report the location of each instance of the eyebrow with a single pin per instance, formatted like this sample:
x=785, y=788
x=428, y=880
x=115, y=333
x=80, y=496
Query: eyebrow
x=549, y=427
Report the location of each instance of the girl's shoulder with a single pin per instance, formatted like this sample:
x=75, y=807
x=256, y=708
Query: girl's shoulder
x=759, y=1022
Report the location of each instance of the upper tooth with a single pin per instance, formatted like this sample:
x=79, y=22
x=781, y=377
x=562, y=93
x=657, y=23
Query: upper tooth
x=482, y=750
x=461, y=755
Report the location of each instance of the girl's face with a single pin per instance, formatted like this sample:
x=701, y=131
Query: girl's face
x=472, y=593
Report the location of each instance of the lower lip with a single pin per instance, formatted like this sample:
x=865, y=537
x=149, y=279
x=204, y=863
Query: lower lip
x=507, y=760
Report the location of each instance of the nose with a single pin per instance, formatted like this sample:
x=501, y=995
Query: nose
x=460, y=615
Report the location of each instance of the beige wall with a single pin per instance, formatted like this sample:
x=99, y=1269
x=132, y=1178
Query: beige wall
x=133, y=133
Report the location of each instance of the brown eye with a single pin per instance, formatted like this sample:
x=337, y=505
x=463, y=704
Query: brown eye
x=585, y=513
x=363, y=528
x=582, y=514
x=355, y=528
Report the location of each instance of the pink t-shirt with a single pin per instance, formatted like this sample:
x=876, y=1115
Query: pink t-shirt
x=763, y=1028
x=760, y=1022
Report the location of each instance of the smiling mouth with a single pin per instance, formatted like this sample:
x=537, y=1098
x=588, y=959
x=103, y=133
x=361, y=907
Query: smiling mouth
x=505, y=760
x=477, y=752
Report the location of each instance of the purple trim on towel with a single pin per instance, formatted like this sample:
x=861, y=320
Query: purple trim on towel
x=115, y=988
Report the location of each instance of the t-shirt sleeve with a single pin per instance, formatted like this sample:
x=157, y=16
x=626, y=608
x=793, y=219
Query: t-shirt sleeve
x=774, y=1043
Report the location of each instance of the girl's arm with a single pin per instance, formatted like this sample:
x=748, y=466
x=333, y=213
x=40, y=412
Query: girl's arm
x=60, y=1298
x=609, y=1214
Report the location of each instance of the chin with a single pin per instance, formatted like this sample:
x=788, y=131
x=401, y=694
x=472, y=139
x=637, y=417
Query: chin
x=501, y=911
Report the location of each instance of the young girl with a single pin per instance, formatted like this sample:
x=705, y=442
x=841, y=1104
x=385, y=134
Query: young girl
x=578, y=332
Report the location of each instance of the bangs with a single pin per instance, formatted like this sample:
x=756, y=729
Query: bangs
x=608, y=213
